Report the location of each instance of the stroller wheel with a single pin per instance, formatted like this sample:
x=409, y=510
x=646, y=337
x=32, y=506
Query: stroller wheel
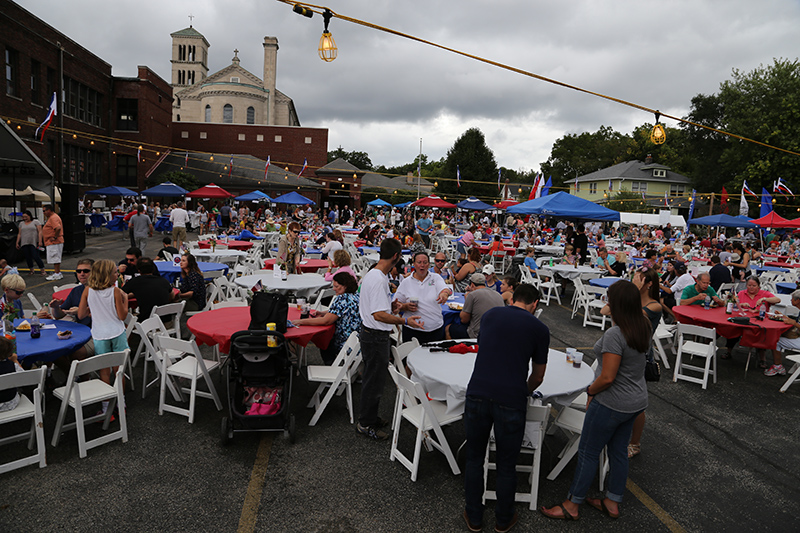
x=291, y=429
x=226, y=432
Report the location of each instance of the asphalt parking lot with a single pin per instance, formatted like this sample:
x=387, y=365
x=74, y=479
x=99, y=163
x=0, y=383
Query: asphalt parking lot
x=721, y=459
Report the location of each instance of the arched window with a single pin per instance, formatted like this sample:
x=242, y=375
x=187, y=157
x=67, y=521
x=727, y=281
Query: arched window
x=179, y=118
x=251, y=115
x=208, y=113
x=227, y=114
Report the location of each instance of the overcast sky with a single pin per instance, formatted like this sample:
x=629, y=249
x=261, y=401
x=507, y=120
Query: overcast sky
x=383, y=93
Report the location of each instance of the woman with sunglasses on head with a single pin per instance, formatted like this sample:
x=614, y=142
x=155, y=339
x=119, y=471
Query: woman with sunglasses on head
x=289, y=250
x=616, y=397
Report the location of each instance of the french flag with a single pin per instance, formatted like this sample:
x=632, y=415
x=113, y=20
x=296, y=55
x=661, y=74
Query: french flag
x=51, y=113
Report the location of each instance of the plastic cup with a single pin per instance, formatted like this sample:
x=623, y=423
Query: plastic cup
x=571, y=354
x=577, y=359
x=300, y=303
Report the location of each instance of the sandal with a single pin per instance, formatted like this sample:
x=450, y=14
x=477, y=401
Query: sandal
x=726, y=355
x=564, y=516
x=600, y=505
x=634, y=450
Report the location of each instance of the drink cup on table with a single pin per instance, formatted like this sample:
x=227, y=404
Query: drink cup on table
x=570, y=354
x=577, y=359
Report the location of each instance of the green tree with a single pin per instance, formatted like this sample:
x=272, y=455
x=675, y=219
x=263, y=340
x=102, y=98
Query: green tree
x=763, y=105
x=360, y=160
x=628, y=202
x=673, y=153
x=180, y=178
x=476, y=163
x=578, y=154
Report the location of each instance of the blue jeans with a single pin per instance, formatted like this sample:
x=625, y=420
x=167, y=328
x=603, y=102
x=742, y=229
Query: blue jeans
x=375, y=355
x=603, y=427
x=480, y=414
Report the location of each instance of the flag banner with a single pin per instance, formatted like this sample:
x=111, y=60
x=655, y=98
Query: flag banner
x=643, y=198
x=724, y=200
x=498, y=179
x=746, y=189
x=783, y=188
x=691, y=206
x=266, y=168
x=547, y=186
x=51, y=113
x=305, y=166
x=139, y=155
x=458, y=177
x=186, y=159
x=532, y=195
x=766, y=202
x=610, y=186
x=230, y=167
x=540, y=185
x=666, y=200
x=743, y=208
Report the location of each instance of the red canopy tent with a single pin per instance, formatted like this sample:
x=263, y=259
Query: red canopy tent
x=505, y=204
x=210, y=191
x=774, y=220
x=433, y=201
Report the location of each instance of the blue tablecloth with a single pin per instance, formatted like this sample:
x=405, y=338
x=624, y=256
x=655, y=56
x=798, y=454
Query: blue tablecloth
x=172, y=271
x=163, y=224
x=246, y=235
x=376, y=249
x=604, y=282
x=49, y=347
x=785, y=287
x=761, y=269
x=451, y=315
x=98, y=220
x=117, y=224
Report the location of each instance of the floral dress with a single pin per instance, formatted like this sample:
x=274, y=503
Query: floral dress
x=345, y=306
x=287, y=252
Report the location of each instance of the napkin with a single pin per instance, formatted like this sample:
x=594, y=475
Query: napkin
x=463, y=348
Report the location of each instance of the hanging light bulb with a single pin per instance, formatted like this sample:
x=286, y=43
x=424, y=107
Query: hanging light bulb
x=658, y=135
x=327, y=46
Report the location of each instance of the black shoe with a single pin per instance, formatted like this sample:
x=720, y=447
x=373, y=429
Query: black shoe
x=507, y=527
x=470, y=525
x=372, y=432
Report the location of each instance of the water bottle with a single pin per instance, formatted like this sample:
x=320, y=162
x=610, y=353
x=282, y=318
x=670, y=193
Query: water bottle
x=762, y=311
x=707, y=302
x=36, y=328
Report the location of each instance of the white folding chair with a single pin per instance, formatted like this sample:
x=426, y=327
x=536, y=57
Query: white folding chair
x=551, y=287
x=191, y=367
x=66, y=286
x=535, y=425
x=592, y=307
x=570, y=420
x=78, y=395
x=401, y=351
x=130, y=322
x=662, y=334
x=36, y=305
x=706, y=350
x=225, y=305
x=321, y=295
x=170, y=310
x=26, y=409
x=499, y=261
x=338, y=375
x=148, y=330
x=527, y=277
x=794, y=373
x=424, y=414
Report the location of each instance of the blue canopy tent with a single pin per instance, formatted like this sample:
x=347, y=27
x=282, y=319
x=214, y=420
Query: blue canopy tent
x=404, y=204
x=113, y=191
x=377, y=202
x=473, y=204
x=293, y=198
x=564, y=205
x=165, y=189
x=255, y=196
x=725, y=221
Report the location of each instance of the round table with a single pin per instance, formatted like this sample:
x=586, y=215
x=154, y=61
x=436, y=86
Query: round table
x=604, y=282
x=163, y=224
x=446, y=376
x=762, y=334
x=172, y=272
x=306, y=265
x=484, y=249
x=294, y=282
x=572, y=272
x=786, y=287
x=782, y=264
x=219, y=253
x=550, y=249
x=49, y=347
x=376, y=249
x=132, y=303
x=768, y=268
x=451, y=315
x=231, y=244
x=217, y=327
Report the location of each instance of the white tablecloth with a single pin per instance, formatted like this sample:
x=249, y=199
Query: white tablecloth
x=295, y=282
x=549, y=249
x=215, y=256
x=446, y=376
x=569, y=271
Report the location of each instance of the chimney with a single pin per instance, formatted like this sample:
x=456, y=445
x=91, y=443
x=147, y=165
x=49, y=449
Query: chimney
x=648, y=160
x=270, y=74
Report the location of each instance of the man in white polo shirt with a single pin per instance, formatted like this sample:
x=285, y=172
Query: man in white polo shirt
x=422, y=293
x=377, y=319
x=179, y=217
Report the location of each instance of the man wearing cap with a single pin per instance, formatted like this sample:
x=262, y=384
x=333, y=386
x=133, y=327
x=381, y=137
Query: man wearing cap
x=491, y=280
x=479, y=299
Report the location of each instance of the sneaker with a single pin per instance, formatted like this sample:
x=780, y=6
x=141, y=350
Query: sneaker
x=371, y=432
x=775, y=370
x=55, y=276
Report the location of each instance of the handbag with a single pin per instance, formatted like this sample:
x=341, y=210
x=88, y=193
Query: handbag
x=652, y=370
x=269, y=307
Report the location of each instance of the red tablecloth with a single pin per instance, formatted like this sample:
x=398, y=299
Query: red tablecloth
x=232, y=245
x=764, y=334
x=132, y=303
x=782, y=258
x=217, y=327
x=781, y=264
x=310, y=265
x=485, y=249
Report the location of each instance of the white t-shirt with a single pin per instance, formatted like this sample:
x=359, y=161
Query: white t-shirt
x=683, y=281
x=426, y=291
x=375, y=296
x=179, y=217
x=331, y=247
x=380, y=218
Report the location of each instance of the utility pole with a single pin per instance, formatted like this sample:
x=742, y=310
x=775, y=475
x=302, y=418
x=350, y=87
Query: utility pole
x=419, y=166
x=711, y=205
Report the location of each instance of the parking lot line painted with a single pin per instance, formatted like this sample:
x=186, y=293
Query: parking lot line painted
x=654, y=508
x=252, y=498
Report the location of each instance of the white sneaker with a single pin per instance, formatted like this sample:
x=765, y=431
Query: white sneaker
x=51, y=277
x=58, y=276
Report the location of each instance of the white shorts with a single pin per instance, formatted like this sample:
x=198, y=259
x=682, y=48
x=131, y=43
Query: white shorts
x=785, y=344
x=54, y=252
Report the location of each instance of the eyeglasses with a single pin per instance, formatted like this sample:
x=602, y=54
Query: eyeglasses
x=82, y=270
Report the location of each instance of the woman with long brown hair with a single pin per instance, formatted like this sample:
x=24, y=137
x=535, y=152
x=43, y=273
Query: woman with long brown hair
x=616, y=397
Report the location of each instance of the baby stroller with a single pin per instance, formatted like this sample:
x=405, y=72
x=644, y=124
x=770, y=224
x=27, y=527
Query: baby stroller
x=259, y=379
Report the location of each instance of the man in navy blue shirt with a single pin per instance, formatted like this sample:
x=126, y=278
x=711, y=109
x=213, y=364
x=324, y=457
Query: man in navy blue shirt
x=510, y=339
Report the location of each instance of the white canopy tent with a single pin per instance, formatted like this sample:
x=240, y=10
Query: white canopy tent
x=640, y=219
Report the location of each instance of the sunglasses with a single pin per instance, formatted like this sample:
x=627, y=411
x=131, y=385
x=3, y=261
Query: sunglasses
x=440, y=260
x=82, y=270
x=19, y=293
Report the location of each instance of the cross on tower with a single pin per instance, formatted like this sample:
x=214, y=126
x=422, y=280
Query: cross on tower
x=190, y=20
